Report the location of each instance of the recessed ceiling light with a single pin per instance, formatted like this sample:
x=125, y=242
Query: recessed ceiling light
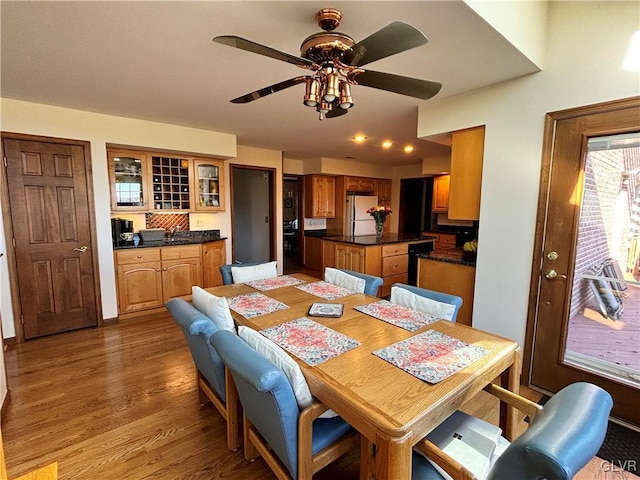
x=359, y=139
x=408, y=149
x=387, y=144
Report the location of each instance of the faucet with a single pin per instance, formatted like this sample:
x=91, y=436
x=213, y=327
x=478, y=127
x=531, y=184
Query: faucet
x=174, y=229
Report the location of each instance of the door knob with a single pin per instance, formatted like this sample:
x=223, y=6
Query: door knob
x=81, y=249
x=551, y=274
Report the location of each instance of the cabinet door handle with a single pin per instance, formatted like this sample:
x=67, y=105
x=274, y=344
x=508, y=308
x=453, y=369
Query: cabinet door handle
x=157, y=270
x=164, y=269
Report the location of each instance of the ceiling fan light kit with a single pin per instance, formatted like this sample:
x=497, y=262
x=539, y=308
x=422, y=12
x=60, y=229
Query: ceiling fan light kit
x=335, y=60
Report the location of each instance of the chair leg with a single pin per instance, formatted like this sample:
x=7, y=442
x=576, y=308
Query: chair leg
x=203, y=399
x=250, y=451
x=234, y=411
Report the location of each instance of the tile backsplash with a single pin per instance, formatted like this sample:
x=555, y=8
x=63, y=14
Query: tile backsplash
x=168, y=221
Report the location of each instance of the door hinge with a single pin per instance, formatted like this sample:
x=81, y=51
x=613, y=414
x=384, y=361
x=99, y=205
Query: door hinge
x=13, y=242
x=4, y=160
x=22, y=319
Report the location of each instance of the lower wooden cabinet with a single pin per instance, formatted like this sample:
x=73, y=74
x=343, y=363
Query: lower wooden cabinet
x=214, y=254
x=147, y=278
x=395, y=266
x=350, y=258
x=452, y=278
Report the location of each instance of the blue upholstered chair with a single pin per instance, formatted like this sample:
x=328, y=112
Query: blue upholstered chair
x=210, y=372
x=433, y=295
x=225, y=270
x=294, y=443
x=561, y=439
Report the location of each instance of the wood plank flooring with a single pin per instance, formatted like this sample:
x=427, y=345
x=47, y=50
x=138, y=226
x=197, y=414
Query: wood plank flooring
x=119, y=402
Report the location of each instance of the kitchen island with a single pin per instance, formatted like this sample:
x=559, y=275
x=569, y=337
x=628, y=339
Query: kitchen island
x=386, y=257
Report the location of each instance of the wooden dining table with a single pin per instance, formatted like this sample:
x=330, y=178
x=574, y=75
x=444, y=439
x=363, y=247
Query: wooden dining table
x=391, y=408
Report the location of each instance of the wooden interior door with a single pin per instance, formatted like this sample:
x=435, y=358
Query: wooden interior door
x=49, y=202
x=548, y=364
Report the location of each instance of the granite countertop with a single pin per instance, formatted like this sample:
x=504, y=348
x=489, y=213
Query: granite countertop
x=181, y=238
x=448, y=256
x=387, y=238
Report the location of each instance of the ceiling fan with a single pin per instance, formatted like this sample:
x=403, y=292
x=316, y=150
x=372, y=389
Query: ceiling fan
x=335, y=60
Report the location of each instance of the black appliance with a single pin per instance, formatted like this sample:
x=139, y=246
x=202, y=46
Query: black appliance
x=120, y=226
x=414, y=250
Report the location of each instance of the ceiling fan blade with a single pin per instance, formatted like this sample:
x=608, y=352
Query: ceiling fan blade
x=263, y=92
x=394, y=38
x=412, y=87
x=249, y=46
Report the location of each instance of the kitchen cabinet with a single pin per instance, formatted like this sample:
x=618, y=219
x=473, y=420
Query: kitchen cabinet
x=144, y=181
x=181, y=269
x=320, y=196
x=139, y=275
x=452, y=278
x=442, y=241
x=147, y=278
x=350, y=258
x=214, y=255
x=129, y=180
x=467, y=152
x=395, y=266
x=382, y=189
x=440, y=201
x=208, y=185
x=359, y=185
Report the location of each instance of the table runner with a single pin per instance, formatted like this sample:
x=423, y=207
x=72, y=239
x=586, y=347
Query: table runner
x=397, y=315
x=326, y=290
x=254, y=304
x=310, y=341
x=275, y=282
x=431, y=356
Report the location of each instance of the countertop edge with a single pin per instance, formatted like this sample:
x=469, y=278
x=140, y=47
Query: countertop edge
x=172, y=243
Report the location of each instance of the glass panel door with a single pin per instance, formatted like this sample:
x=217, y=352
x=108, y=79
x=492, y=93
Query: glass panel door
x=208, y=184
x=604, y=319
x=128, y=182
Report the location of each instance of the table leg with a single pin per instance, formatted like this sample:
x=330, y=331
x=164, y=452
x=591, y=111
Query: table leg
x=367, y=459
x=510, y=379
x=393, y=457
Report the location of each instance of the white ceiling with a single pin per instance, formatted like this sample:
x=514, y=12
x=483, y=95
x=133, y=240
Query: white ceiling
x=155, y=60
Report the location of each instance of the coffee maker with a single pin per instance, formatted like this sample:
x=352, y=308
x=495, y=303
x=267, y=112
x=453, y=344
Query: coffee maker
x=119, y=227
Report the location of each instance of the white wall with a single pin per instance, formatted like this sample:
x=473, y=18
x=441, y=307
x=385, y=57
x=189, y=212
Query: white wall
x=99, y=130
x=586, y=45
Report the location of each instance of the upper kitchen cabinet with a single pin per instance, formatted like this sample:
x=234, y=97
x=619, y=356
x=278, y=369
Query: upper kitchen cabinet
x=382, y=189
x=170, y=180
x=128, y=176
x=440, y=201
x=319, y=196
x=467, y=152
x=359, y=185
x=209, y=194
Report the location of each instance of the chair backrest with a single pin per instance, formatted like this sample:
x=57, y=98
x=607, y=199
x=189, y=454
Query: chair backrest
x=197, y=329
x=371, y=282
x=561, y=439
x=433, y=295
x=225, y=270
x=266, y=396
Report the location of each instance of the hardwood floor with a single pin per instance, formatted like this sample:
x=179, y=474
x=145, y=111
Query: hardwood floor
x=119, y=402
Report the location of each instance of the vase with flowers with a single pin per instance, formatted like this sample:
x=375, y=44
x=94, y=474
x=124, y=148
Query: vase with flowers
x=379, y=214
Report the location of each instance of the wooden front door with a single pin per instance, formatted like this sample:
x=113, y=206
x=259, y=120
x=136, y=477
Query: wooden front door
x=48, y=193
x=590, y=178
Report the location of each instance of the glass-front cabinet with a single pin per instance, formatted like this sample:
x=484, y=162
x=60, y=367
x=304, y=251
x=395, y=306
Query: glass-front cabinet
x=209, y=192
x=128, y=177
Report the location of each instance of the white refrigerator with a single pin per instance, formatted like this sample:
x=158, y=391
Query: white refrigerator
x=358, y=221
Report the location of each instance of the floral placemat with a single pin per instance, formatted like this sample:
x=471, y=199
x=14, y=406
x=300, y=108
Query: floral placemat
x=254, y=304
x=431, y=356
x=310, y=341
x=397, y=315
x=275, y=282
x=326, y=290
